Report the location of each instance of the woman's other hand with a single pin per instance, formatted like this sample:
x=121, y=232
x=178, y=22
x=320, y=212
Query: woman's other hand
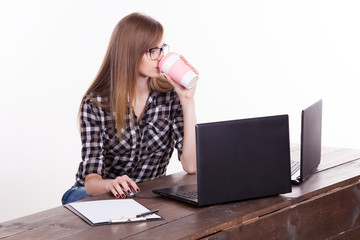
x=96, y=185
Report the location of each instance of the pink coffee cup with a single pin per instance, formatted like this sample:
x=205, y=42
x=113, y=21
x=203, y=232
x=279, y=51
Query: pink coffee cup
x=178, y=70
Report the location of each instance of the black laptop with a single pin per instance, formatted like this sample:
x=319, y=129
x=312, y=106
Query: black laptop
x=310, y=146
x=238, y=160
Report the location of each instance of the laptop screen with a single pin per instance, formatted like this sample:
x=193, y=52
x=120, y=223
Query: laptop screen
x=243, y=159
x=311, y=139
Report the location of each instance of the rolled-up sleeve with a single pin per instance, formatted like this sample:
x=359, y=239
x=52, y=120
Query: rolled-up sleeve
x=92, y=145
x=178, y=127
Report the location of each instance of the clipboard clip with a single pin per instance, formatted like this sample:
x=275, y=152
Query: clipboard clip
x=127, y=219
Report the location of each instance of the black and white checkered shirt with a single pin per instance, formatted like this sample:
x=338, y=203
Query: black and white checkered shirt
x=146, y=148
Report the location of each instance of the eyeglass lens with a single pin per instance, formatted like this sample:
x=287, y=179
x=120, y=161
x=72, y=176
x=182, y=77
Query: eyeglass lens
x=155, y=53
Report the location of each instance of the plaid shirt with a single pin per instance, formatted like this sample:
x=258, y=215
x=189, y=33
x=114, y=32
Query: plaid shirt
x=146, y=147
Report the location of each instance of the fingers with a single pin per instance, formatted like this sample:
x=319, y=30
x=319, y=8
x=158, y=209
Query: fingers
x=187, y=63
x=117, y=192
x=168, y=78
x=181, y=91
x=121, y=185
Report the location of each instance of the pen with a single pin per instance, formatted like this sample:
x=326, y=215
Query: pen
x=147, y=213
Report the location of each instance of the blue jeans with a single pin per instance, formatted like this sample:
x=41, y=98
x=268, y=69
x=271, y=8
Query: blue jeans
x=75, y=193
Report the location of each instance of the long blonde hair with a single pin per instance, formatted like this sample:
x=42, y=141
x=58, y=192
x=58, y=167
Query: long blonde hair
x=116, y=79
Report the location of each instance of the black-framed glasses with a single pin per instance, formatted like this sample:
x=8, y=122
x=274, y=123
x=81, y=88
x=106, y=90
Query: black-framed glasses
x=156, y=52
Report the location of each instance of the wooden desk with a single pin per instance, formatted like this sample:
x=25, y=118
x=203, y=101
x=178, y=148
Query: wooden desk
x=327, y=205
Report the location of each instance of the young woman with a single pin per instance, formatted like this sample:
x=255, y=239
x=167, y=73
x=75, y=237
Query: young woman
x=132, y=116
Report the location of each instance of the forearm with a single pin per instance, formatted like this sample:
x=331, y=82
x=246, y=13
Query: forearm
x=188, y=156
x=186, y=96
x=95, y=184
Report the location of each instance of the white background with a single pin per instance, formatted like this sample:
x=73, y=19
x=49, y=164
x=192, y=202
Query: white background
x=255, y=58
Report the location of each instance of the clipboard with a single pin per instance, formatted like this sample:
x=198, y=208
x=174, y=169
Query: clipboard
x=101, y=212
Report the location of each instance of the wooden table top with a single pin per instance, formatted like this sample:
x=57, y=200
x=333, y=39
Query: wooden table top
x=339, y=168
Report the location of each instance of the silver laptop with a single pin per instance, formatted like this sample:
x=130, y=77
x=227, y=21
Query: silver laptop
x=310, y=146
x=238, y=160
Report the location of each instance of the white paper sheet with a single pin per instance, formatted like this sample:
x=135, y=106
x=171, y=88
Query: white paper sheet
x=102, y=211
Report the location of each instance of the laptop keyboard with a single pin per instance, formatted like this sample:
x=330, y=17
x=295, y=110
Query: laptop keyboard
x=190, y=195
x=295, y=166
